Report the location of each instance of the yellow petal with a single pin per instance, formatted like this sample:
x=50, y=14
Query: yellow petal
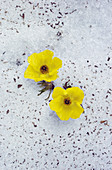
x=76, y=94
x=76, y=112
x=64, y=114
x=56, y=104
x=39, y=59
x=46, y=57
x=31, y=74
x=34, y=61
x=63, y=110
x=58, y=91
x=48, y=77
x=46, y=53
x=56, y=63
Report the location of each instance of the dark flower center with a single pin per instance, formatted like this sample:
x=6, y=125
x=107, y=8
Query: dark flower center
x=44, y=69
x=67, y=101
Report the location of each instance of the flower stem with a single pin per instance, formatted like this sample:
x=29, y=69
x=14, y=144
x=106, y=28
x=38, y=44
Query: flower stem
x=67, y=86
x=47, y=86
x=48, y=95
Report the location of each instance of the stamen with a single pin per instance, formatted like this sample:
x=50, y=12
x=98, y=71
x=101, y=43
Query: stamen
x=44, y=69
x=67, y=101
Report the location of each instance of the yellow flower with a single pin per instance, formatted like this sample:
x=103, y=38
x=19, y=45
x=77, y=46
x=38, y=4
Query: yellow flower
x=66, y=103
x=42, y=66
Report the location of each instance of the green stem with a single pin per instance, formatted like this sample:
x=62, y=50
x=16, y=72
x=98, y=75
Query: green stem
x=42, y=91
x=48, y=95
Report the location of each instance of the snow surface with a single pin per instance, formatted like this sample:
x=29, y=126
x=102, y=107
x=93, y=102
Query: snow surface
x=31, y=135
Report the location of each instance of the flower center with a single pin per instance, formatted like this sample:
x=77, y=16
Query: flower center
x=67, y=101
x=44, y=69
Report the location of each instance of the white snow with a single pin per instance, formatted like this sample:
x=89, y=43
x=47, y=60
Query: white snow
x=31, y=135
